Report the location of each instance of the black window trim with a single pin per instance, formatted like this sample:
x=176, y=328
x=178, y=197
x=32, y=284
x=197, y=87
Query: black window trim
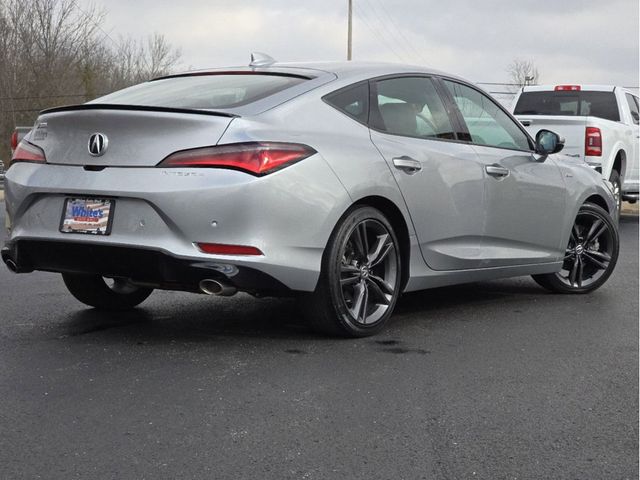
x=458, y=113
x=635, y=100
x=373, y=103
x=325, y=99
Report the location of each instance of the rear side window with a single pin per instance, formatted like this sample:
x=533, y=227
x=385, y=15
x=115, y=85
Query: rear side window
x=411, y=106
x=568, y=103
x=214, y=91
x=354, y=101
x=633, y=106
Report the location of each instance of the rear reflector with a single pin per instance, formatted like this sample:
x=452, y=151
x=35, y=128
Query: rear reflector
x=593, y=142
x=28, y=152
x=14, y=140
x=567, y=88
x=256, y=158
x=222, y=249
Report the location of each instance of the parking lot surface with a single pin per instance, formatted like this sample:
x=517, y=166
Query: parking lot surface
x=493, y=380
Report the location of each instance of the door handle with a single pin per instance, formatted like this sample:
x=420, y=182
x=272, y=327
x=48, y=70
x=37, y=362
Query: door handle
x=496, y=170
x=407, y=164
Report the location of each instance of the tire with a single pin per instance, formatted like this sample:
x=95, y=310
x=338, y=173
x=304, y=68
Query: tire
x=93, y=290
x=590, y=256
x=357, y=291
x=617, y=193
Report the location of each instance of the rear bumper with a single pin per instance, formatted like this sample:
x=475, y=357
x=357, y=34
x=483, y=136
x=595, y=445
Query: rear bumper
x=151, y=267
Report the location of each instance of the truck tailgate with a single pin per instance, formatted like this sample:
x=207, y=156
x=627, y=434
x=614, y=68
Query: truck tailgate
x=571, y=128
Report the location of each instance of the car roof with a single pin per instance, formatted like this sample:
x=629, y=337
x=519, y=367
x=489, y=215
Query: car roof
x=340, y=69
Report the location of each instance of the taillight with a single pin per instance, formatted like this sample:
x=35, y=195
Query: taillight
x=256, y=158
x=14, y=140
x=224, y=249
x=28, y=152
x=593, y=142
x=567, y=88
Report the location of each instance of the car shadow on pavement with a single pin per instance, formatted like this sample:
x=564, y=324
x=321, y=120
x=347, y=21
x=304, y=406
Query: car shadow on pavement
x=203, y=319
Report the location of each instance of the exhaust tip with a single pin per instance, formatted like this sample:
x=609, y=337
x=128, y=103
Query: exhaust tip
x=210, y=287
x=214, y=287
x=11, y=265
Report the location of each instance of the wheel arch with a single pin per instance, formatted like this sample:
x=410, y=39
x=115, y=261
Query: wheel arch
x=598, y=200
x=619, y=163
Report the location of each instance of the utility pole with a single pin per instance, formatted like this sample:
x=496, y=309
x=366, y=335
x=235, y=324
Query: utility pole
x=350, y=30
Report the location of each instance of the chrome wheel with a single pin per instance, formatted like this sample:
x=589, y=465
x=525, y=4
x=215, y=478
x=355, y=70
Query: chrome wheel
x=590, y=251
x=368, y=271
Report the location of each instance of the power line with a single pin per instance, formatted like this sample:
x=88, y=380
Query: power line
x=360, y=13
x=391, y=36
x=399, y=30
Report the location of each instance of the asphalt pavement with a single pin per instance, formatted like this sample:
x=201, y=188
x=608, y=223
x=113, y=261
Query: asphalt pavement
x=492, y=380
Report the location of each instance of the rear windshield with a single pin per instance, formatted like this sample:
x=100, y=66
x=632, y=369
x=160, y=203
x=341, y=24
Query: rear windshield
x=217, y=91
x=593, y=104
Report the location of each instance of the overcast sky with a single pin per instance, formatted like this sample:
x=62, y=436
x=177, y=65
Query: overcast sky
x=582, y=41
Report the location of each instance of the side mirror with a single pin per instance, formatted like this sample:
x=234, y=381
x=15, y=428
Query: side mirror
x=548, y=142
x=635, y=117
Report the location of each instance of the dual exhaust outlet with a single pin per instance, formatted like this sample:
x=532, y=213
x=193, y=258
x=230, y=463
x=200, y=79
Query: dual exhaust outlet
x=215, y=287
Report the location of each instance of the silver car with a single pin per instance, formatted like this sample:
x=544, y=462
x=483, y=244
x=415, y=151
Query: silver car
x=345, y=184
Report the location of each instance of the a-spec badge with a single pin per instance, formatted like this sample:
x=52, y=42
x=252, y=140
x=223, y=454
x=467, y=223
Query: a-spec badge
x=98, y=143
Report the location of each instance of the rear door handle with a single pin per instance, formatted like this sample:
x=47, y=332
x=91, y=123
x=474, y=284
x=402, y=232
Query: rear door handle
x=496, y=170
x=407, y=164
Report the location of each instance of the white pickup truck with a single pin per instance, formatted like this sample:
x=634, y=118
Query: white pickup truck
x=599, y=124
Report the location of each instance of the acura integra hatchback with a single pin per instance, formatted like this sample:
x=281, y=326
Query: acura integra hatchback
x=343, y=183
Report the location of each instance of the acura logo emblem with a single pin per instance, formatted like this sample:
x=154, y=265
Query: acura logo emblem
x=98, y=143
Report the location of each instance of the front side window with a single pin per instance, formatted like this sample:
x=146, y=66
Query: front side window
x=487, y=123
x=410, y=106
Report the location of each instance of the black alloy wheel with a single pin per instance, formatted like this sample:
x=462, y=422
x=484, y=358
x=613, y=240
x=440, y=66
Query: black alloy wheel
x=361, y=276
x=590, y=256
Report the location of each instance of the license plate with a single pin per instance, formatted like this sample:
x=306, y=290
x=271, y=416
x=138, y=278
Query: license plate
x=91, y=216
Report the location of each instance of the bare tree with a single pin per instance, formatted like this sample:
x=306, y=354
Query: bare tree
x=523, y=72
x=54, y=52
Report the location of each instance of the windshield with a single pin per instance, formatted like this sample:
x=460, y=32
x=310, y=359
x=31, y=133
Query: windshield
x=209, y=91
x=569, y=103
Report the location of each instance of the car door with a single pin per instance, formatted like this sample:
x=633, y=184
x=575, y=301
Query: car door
x=441, y=179
x=524, y=193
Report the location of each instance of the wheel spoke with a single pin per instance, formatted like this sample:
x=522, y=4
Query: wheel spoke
x=575, y=235
x=597, y=229
x=349, y=275
x=349, y=270
x=580, y=270
x=386, y=288
x=603, y=265
x=349, y=281
x=605, y=257
x=377, y=291
x=574, y=270
x=360, y=292
x=360, y=238
x=568, y=253
x=380, y=250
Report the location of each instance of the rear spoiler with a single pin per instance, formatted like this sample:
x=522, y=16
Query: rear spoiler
x=143, y=108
